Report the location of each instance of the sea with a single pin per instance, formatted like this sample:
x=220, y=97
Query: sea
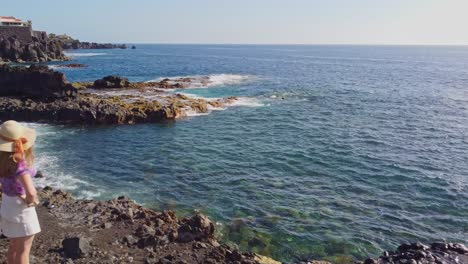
x=334, y=152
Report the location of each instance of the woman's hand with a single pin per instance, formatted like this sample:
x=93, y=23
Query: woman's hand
x=31, y=198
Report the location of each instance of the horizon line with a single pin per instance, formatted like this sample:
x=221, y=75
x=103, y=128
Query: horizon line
x=286, y=44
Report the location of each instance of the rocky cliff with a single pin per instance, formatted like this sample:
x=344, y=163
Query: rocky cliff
x=41, y=49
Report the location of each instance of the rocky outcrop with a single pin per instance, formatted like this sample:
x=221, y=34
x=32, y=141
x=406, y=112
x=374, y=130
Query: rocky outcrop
x=71, y=65
x=449, y=253
x=39, y=94
x=41, y=49
x=97, y=110
x=34, y=82
x=76, y=44
x=44, y=47
x=111, y=82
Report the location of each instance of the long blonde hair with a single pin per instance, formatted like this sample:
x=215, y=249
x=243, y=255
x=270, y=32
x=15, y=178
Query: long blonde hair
x=8, y=166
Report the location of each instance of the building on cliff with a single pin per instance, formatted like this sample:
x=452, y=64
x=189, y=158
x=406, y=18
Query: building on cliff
x=9, y=21
x=14, y=27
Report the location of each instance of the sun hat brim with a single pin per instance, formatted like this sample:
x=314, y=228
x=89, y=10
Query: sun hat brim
x=28, y=133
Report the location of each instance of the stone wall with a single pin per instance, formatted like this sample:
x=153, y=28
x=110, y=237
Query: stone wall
x=23, y=34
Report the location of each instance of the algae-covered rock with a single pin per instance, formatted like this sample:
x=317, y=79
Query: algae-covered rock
x=265, y=260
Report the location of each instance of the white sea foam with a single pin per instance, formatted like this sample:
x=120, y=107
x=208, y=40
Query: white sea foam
x=247, y=102
x=48, y=162
x=89, y=54
x=191, y=113
x=206, y=81
x=228, y=79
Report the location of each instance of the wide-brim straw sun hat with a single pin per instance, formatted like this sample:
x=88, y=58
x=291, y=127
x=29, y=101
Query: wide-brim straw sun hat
x=16, y=138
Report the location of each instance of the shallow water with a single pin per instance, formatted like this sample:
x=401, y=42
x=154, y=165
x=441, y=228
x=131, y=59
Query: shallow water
x=338, y=151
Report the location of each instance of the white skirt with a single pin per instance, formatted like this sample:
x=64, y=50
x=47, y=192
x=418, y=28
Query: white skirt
x=17, y=219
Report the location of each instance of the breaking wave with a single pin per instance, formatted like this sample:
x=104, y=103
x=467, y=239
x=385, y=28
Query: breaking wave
x=206, y=81
x=77, y=54
x=48, y=162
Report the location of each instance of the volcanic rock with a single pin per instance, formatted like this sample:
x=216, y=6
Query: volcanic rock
x=76, y=247
x=34, y=82
x=39, y=50
x=111, y=81
x=449, y=253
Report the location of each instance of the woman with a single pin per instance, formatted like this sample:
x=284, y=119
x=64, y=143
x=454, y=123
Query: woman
x=18, y=218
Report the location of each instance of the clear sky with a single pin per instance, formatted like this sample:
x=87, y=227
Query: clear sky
x=250, y=21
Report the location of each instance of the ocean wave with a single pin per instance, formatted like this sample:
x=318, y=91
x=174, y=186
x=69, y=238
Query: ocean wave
x=48, y=162
x=206, y=81
x=247, y=102
x=89, y=54
x=193, y=113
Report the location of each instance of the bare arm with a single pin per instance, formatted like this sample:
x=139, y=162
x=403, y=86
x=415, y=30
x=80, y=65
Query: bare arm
x=31, y=193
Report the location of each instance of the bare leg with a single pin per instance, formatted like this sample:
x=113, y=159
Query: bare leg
x=12, y=249
x=22, y=249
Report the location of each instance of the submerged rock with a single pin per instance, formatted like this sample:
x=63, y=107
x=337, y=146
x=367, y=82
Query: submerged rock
x=72, y=65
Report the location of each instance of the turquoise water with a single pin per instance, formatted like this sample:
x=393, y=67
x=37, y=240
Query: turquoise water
x=334, y=151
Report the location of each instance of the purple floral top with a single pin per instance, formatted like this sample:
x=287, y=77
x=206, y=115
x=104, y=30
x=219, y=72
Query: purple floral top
x=11, y=185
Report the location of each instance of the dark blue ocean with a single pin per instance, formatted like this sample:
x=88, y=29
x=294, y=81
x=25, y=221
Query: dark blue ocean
x=333, y=152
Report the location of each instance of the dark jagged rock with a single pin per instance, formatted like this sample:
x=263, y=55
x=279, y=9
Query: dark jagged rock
x=71, y=43
x=196, y=228
x=44, y=47
x=39, y=50
x=75, y=247
x=34, y=82
x=72, y=65
x=133, y=47
x=447, y=253
x=111, y=81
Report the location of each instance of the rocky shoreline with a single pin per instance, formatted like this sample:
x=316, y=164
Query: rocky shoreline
x=39, y=94
x=45, y=47
x=121, y=231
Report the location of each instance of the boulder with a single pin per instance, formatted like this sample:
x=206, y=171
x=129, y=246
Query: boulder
x=196, y=228
x=111, y=81
x=76, y=247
